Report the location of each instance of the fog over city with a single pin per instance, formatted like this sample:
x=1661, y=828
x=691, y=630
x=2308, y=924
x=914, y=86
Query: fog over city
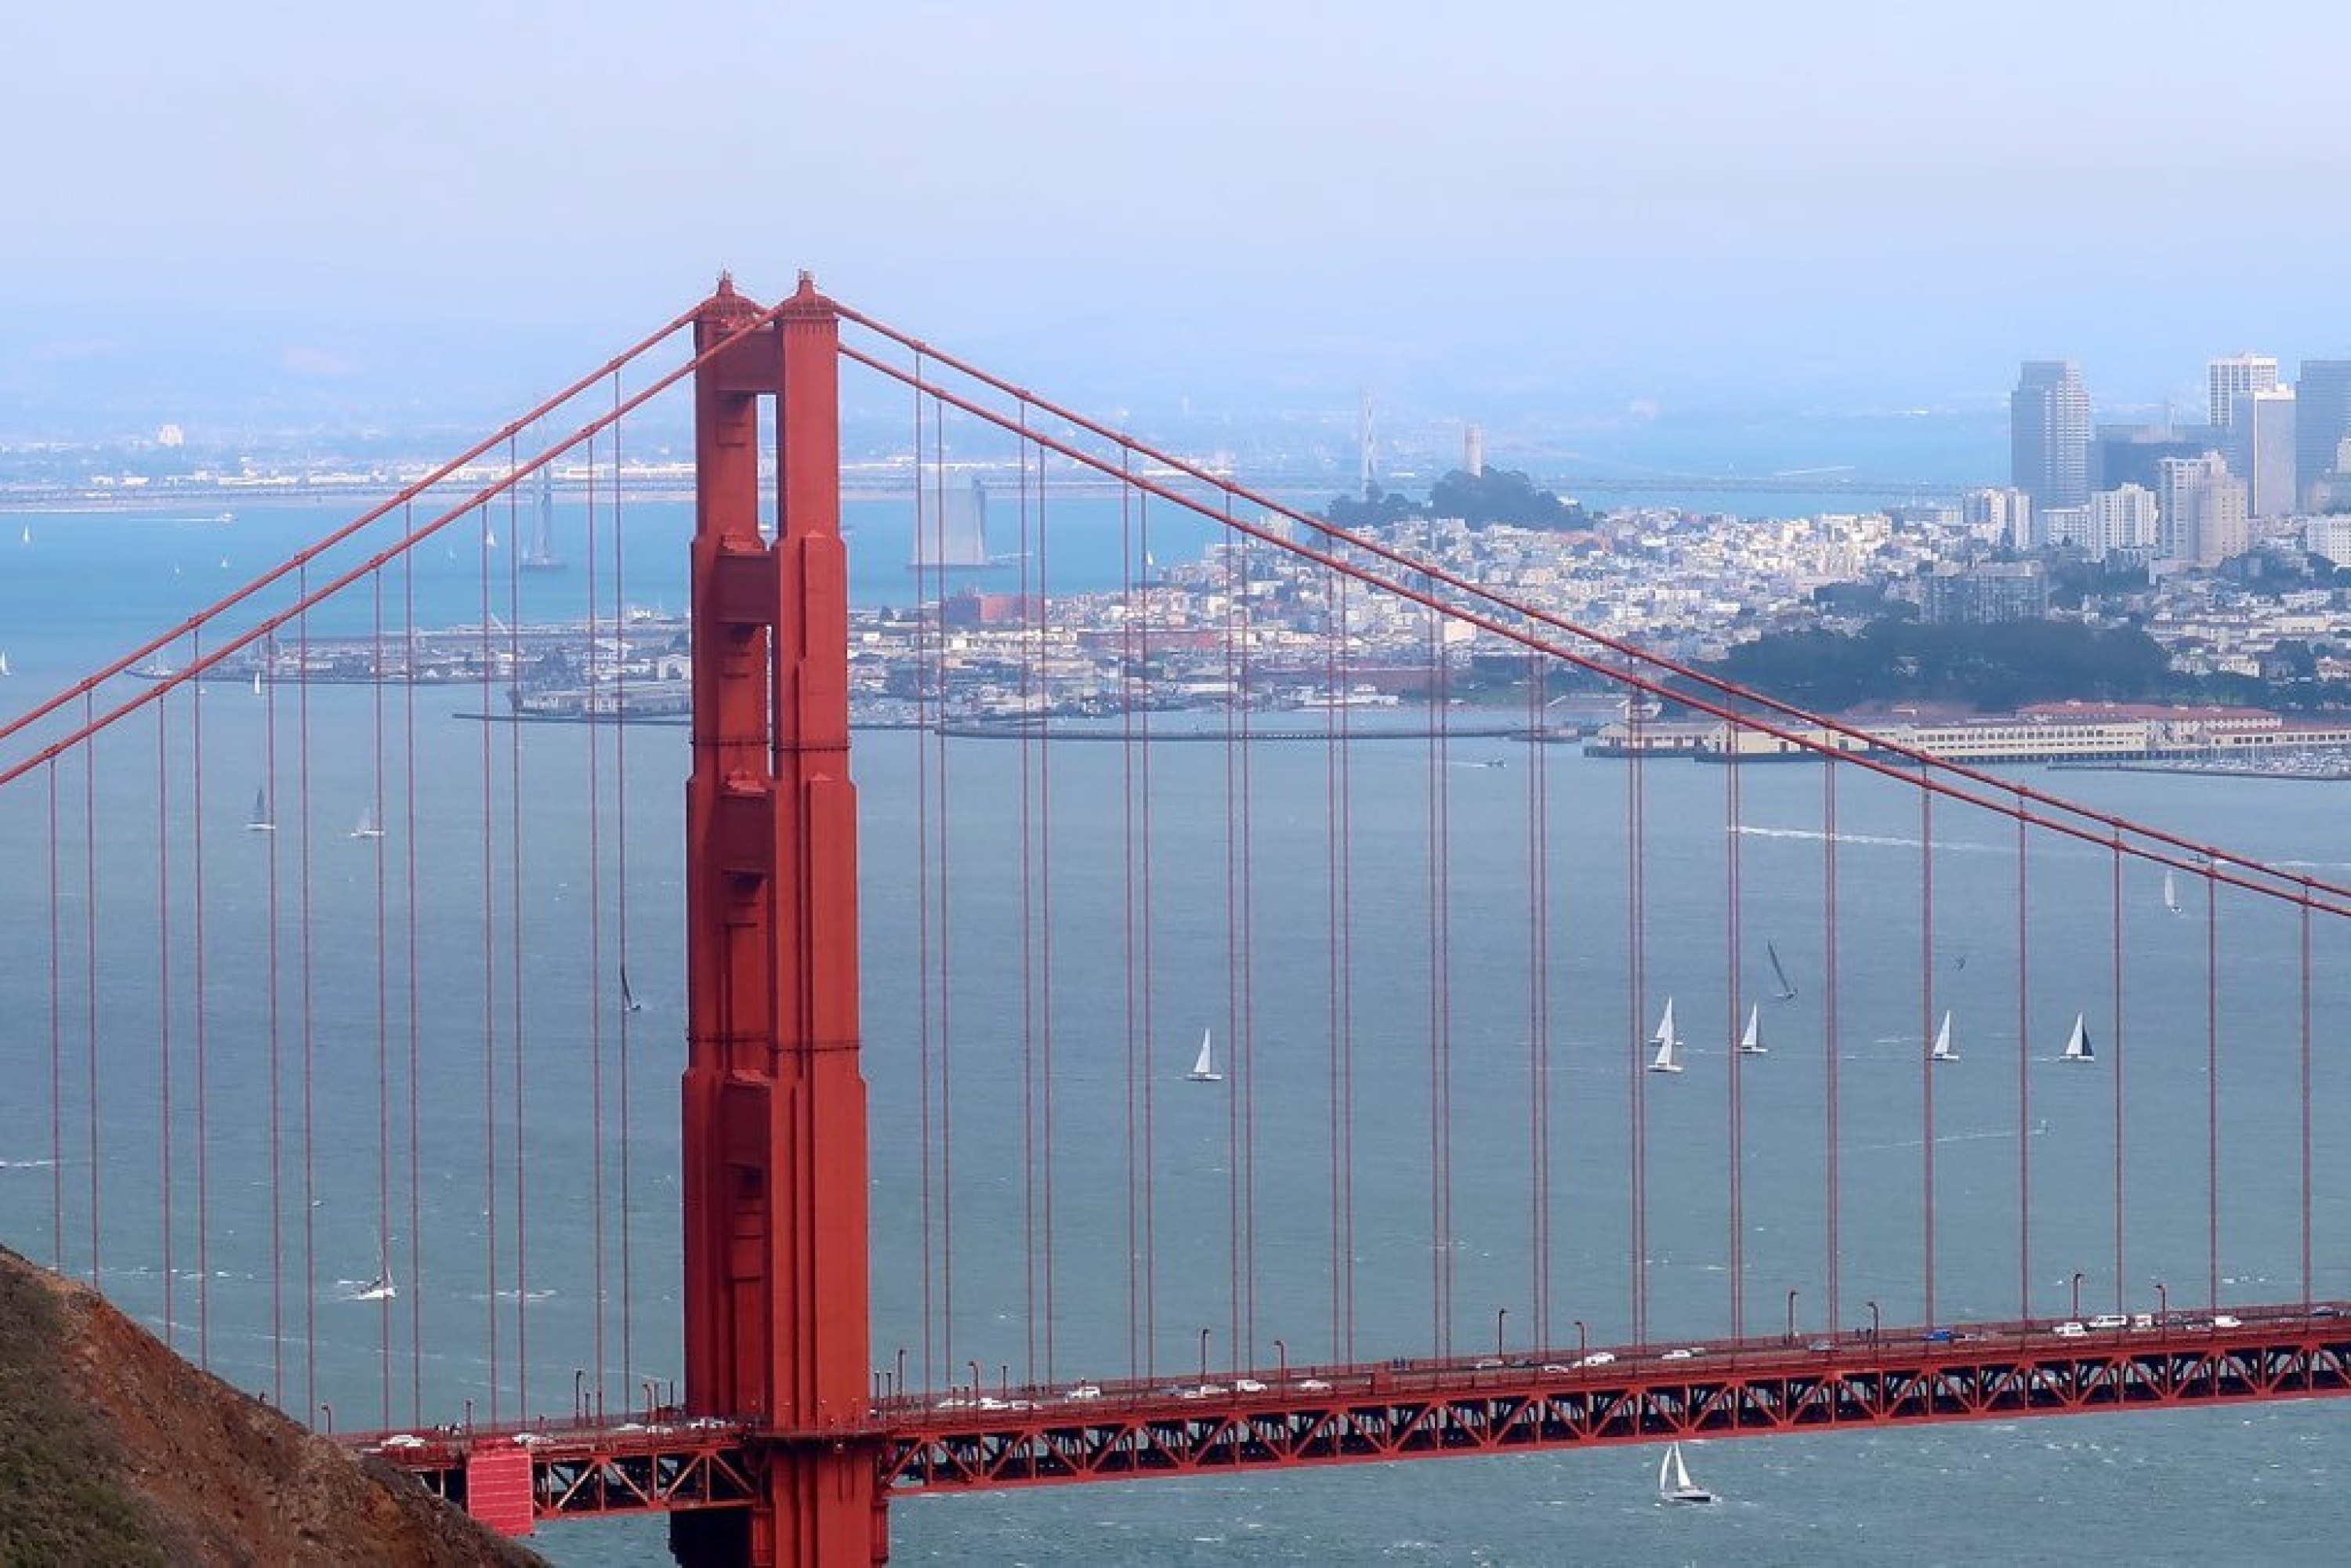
x=262, y=214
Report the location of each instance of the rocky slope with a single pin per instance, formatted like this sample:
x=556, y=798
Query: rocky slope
x=114, y=1451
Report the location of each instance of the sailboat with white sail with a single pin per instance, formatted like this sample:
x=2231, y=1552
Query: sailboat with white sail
x=263, y=819
x=1751, y=1039
x=1943, y=1051
x=1787, y=991
x=370, y=826
x=1204, y=1069
x=2077, y=1044
x=1669, y=1042
x=629, y=1003
x=1674, y=1483
x=2171, y=891
x=381, y=1288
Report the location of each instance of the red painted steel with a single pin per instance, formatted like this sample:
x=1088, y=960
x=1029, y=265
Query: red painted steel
x=499, y=1488
x=774, y=1107
x=1316, y=1416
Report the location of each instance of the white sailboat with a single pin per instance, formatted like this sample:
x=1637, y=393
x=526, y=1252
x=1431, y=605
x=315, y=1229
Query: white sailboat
x=261, y=822
x=1750, y=1041
x=1203, y=1068
x=2171, y=891
x=1669, y=1042
x=381, y=1288
x=629, y=1003
x=2077, y=1044
x=1943, y=1051
x=369, y=827
x=1674, y=1483
x=1787, y=991
x=4, y=664
x=257, y=683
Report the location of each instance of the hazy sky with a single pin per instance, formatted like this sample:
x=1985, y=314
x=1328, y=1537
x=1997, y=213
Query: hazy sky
x=1816, y=201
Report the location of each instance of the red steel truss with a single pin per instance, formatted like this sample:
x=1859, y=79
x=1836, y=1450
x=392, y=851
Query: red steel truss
x=1298, y=1416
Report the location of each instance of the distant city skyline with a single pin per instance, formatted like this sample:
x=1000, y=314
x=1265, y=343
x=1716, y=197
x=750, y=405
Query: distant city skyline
x=431, y=214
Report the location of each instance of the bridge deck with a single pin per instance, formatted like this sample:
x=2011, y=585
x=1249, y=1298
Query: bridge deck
x=1288, y=1417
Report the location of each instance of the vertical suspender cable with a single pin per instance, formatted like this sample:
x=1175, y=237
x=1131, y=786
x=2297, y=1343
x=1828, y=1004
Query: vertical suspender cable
x=309, y=1023
x=2212, y=1084
x=620, y=620
x=203, y=1042
x=2305, y=911
x=57, y=1040
x=164, y=995
x=1636, y=932
x=1150, y=1055
x=277, y=1061
x=1734, y=1080
x=417, y=1292
x=515, y=938
x=2023, y=1080
x=1029, y=1088
x=382, y=1017
x=89, y=1000
x=1045, y=885
x=596, y=964
x=1926, y=1033
x=1130, y=701
x=1831, y=1002
x=2121, y=1189
x=487, y=653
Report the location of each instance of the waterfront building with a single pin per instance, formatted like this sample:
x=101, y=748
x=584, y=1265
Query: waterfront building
x=2226, y=381
x=2049, y=434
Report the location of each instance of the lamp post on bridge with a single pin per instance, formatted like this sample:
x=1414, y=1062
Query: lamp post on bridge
x=1583, y=1345
x=579, y=1393
x=1280, y=1362
x=1791, y=1317
x=974, y=1365
x=2076, y=1313
x=328, y=1411
x=899, y=1382
x=2162, y=1310
x=1501, y=1314
x=1873, y=1321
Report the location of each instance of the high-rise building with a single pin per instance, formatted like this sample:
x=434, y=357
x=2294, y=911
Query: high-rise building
x=2049, y=434
x=2203, y=510
x=2226, y=381
x=2123, y=519
x=2260, y=450
x=2000, y=516
x=2128, y=454
x=2321, y=420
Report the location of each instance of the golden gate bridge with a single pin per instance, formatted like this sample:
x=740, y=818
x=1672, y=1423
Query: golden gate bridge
x=1442, y=1197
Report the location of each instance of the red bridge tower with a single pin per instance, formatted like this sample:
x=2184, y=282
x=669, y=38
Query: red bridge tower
x=774, y=1104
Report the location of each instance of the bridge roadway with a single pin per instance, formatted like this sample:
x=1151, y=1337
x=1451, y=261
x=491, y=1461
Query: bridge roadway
x=971, y=1439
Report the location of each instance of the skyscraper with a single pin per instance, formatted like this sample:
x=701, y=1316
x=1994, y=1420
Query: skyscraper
x=2226, y=381
x=2260, y=450
x=2321, y=420
x=2049, y=434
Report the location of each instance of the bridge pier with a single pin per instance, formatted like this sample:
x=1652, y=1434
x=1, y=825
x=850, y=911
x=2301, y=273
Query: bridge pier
x=775, y=1286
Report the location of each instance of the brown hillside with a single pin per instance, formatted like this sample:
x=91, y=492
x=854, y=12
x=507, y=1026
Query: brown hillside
x=112, y=1449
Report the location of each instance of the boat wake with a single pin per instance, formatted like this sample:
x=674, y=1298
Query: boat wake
x=1872, y=840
